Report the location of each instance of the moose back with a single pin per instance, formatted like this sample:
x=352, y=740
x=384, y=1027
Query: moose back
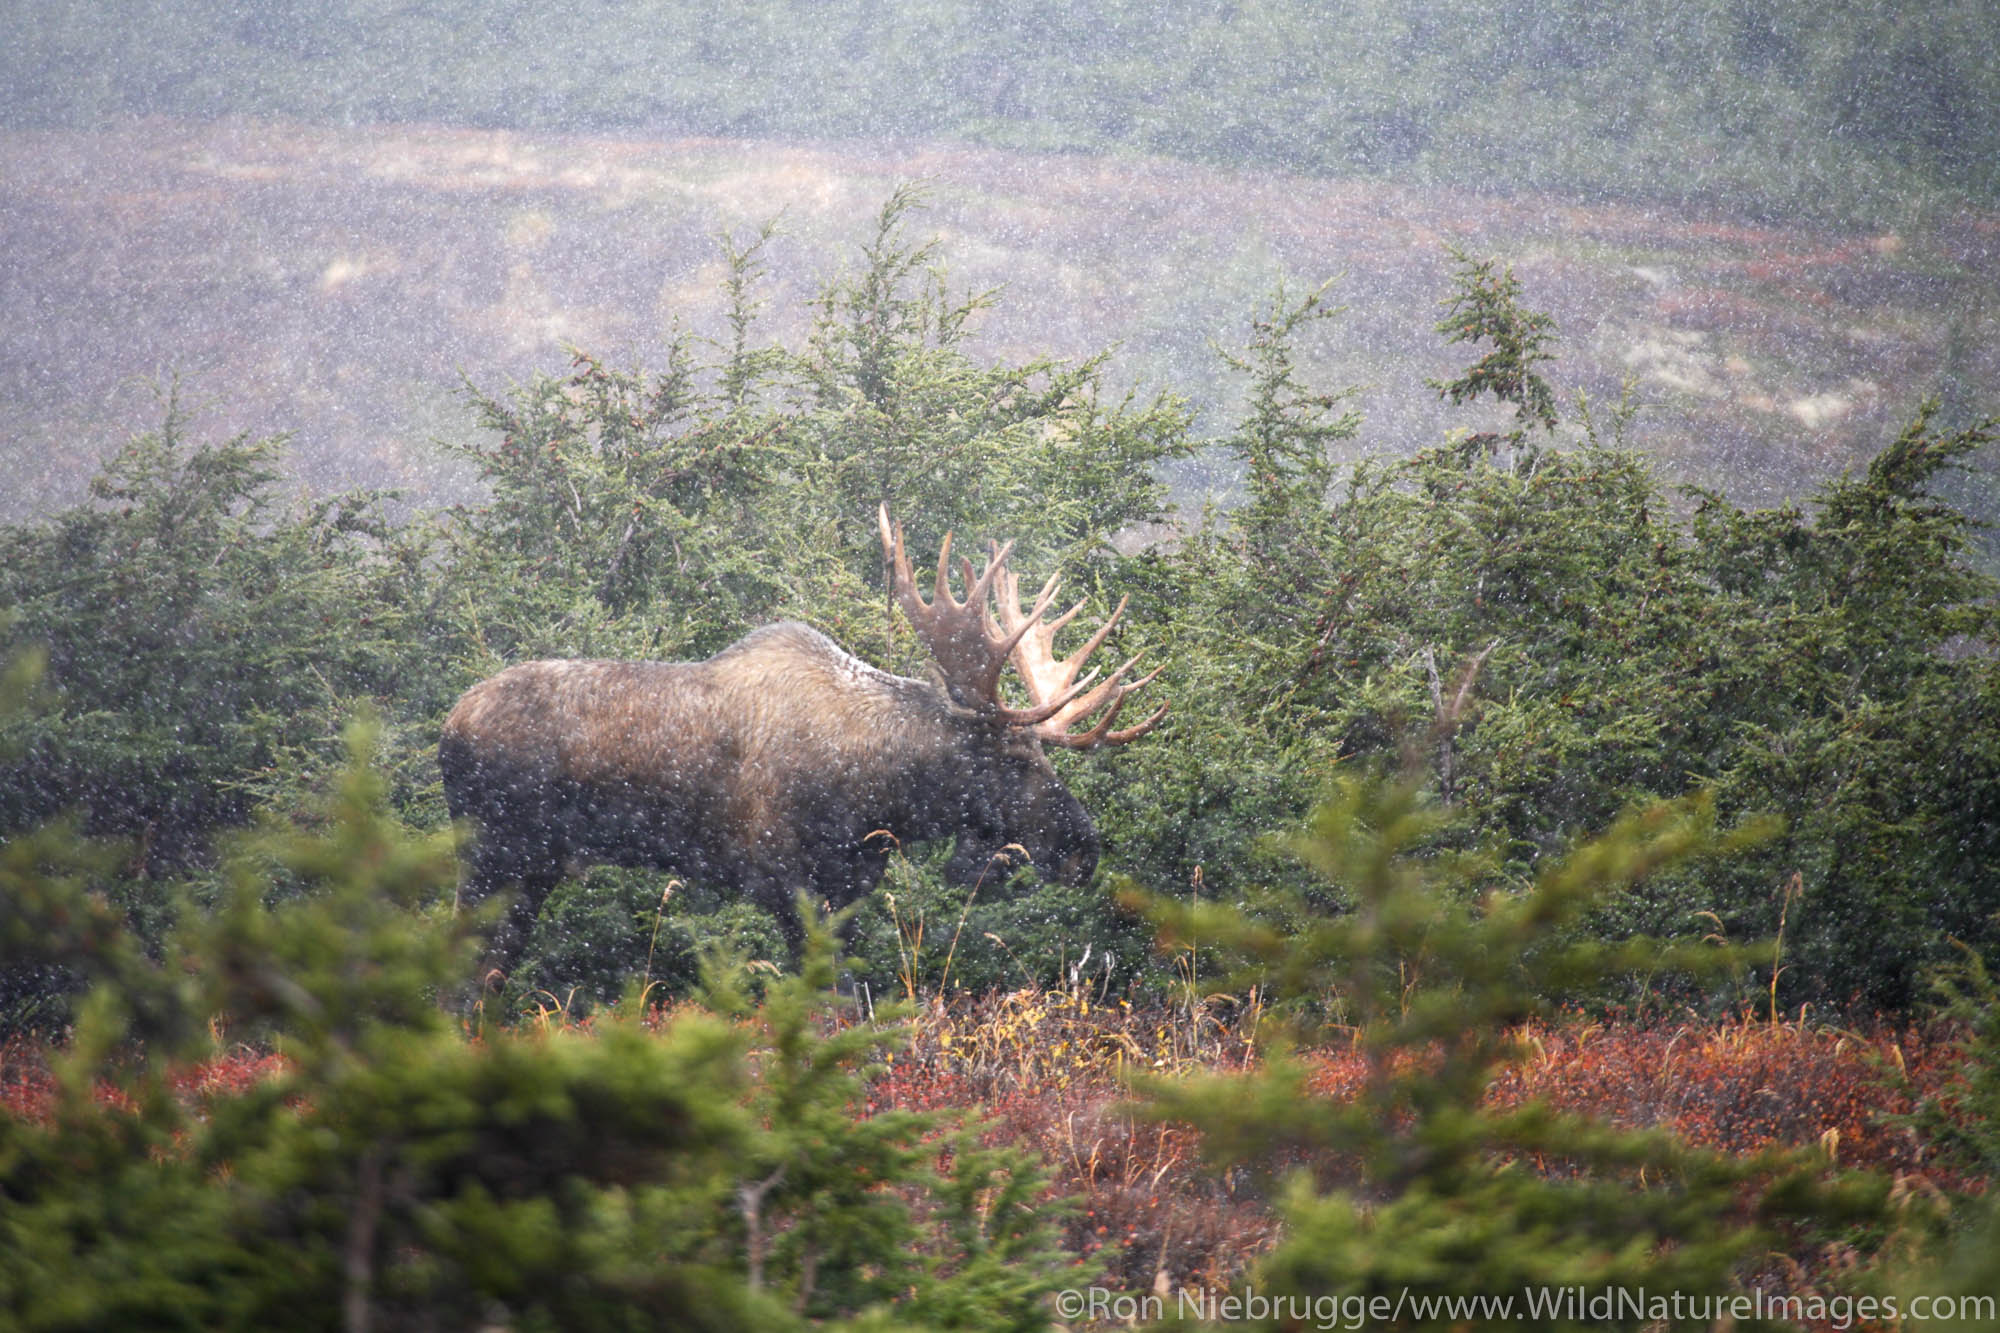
x=784, y=764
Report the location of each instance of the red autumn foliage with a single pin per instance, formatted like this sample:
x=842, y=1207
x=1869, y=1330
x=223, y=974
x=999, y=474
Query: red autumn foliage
x=1045, y=1069
x=1739, y=1087
x=1046, y=1072
x=28, y=1085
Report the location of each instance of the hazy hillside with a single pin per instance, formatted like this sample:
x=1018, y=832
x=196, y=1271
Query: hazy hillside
x=1847, y=109
x=336, y=282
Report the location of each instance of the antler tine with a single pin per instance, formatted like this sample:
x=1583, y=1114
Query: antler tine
x=976, y=594
x=971, y=640
x=1007, y=623
x=1010, y=629
x=968, y=656
x=1113, y=690
x=1092, y=738
x=1060, y=698
x=1010, y=624
x=902, y=581
x=1103, y=631
x=1008, y=595
x=1069, y=615
x=941, y=589
x=1116, y=694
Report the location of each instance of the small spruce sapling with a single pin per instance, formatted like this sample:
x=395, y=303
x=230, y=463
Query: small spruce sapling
x=1485, y=307
x=1415, y=1186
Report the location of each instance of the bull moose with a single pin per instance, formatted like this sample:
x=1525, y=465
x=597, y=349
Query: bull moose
x=778, y=765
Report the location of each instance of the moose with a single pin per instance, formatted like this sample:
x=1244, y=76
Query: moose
x=783, y=764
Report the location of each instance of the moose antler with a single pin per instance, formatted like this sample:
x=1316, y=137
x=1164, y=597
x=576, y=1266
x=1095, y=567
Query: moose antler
x=971, y=647
x=1053, y=685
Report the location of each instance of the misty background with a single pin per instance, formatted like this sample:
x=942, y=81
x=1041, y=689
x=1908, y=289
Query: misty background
x=1776, y=221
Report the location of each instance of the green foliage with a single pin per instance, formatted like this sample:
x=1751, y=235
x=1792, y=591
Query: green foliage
x=1485, y=307
x=610, y=928
x=601, y=486
x=821, y=1213
x=713, y=1173
x=1830, y=664
x=1288, y=428
x=1413, y=1189
x=58, y=931
x=921, y=935
x=1567, y=641
x=200, y=639
x=1861, y=703
x=664, y=514
x=899, y=411
x=1827, y=666
x=203, y=637
x=1963, y=1122
x=337, y=963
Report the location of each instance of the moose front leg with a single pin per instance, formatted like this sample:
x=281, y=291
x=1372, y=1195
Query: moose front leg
x=524, y=875
x=511, y=932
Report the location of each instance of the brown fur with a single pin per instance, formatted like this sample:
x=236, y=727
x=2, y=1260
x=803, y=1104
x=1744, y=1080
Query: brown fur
x=763, y=770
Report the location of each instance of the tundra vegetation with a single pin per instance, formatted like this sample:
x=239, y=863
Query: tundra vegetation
x=1459, y=740
x=1852, y=109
